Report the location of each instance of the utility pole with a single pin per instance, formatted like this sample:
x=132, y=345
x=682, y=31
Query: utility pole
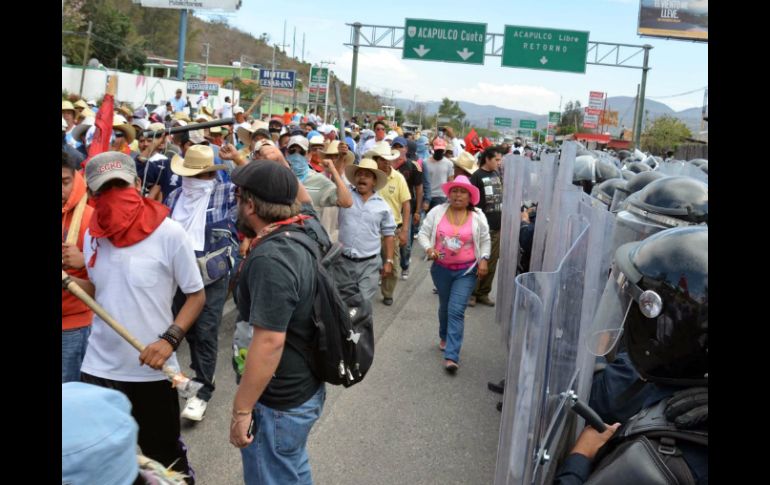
x=645, y=68
x=703, y=110
x=206, y=55
x=182, y=40
x=294, y=44
x=303, y=47
x=85, y=58
x=636, y=109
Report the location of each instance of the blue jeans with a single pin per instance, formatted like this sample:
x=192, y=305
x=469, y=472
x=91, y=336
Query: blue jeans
x=406, y=251
x=454, y=289
x=278, y=454
x=73, y=349
x=203, y=336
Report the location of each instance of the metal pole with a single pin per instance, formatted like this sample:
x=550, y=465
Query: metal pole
x=354, y=76
x=182, y=39
x=326, y=98
x=272, y=81
x=303, y=47
x=636, y=110
x=206, y=75
x=85, y=59
x=645, y=68
x=294, y=44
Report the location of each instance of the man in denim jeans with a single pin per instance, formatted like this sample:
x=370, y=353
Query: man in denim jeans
x=75, y=315
x=275, y=295
x=206, y=209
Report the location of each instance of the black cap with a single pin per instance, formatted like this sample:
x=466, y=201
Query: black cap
x=267, y=180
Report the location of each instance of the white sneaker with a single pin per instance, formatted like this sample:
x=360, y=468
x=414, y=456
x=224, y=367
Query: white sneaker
x=194, y=409
x=405, y=274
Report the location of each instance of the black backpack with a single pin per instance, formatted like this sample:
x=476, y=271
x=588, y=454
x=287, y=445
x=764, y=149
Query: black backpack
x=343, y=347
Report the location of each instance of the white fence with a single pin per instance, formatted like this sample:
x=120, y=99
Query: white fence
x=134, y=89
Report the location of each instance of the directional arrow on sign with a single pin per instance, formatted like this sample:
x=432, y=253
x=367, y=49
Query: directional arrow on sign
x=465, y=54
x=421, y=51
x=543, y=60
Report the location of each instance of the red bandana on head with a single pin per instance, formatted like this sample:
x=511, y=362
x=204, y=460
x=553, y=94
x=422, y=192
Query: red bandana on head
x=125, y=217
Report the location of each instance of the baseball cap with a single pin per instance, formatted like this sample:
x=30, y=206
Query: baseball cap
x=299, y=140
x=99, y=435
x=267, y=180
x=237, y=110
x=399, y=140
x=107, y=166
x=439, y=144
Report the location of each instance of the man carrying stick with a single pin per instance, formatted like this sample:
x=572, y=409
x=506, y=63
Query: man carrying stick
x=136, y=257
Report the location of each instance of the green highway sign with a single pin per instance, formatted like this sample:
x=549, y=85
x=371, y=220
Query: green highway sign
x=523, y=132
x=527, y=124
x=545, y=49
x=553, y=117
x=439, y=40
x=503, y=122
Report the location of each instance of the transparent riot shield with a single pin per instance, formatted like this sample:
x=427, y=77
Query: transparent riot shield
x=598, y=263
x=548, y=171
x=554, y=244
x=522, y=182
x=683, y=168
x=542, y=364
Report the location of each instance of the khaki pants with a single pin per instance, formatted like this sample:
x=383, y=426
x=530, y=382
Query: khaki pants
x=389, y=284
x=484, y=286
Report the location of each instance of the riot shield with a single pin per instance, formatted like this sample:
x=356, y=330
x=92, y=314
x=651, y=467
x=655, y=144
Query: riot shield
x=542, y=364
x=554, y=245
x=598, y=262
x=522, y=182
x=675, y=168
x=548, y=171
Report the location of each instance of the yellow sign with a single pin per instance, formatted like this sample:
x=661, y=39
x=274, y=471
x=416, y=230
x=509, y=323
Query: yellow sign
x=609, y=118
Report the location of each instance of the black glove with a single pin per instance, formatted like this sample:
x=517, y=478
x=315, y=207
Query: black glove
x=689, y=408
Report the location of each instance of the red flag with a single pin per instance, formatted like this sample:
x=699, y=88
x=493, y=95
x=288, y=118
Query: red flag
x=485, y=143
x=472, y=144
x=103, y=130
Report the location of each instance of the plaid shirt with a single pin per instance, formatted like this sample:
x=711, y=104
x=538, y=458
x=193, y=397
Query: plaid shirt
x=222, y=203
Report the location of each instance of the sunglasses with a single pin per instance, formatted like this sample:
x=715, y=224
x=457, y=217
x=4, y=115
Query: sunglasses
x=294, y=150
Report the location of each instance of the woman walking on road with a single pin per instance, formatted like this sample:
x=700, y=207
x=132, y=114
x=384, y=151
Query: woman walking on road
x=455, y=236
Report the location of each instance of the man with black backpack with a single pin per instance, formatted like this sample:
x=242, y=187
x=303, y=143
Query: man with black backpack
x=275, y=295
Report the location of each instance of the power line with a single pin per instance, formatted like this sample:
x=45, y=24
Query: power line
x=680, y=94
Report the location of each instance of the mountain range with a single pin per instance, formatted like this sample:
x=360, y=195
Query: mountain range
x=484, y=115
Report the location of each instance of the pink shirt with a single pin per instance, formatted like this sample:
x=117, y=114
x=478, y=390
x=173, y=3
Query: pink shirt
x=455, y=246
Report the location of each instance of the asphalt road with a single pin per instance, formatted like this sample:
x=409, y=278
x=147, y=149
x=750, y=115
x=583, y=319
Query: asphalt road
x=408, y=422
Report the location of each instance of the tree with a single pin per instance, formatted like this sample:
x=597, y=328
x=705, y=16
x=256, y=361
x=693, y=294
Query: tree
x=399, y=116
x=451, y=110
x=571, y=119
x=664, y=133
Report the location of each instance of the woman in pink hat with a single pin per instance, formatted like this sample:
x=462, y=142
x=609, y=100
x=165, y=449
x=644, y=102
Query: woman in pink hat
x=455, y=235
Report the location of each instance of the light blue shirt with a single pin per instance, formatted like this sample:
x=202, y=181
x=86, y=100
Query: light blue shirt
x=363, y=224
x=178, y=104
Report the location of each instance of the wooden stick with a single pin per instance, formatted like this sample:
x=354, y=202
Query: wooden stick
x=77, y=217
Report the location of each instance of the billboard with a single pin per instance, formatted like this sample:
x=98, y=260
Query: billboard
x=200, y=86
x=609, y=118
x=679, y=19
x=226, y=5
x=319, y=84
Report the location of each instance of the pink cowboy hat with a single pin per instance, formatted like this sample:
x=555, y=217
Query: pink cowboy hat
x=463, y=182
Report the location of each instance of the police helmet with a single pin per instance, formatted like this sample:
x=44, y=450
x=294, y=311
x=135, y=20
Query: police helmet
x=698, y=161
x=641, y=179
x=606, y=190
x=666, y=328
x=638, y=167
x=671, y=201
x=627, y=174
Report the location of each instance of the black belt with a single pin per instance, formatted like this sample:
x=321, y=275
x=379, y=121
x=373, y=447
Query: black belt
x=358, y=260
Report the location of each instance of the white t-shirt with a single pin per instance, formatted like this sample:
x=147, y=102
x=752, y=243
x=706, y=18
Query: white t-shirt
x=136, y=285
x=227, y=110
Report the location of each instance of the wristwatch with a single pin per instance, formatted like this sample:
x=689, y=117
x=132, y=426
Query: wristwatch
x=388, y=261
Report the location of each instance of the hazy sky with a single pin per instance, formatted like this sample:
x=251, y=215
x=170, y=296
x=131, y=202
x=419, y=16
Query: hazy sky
x=677, y=66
